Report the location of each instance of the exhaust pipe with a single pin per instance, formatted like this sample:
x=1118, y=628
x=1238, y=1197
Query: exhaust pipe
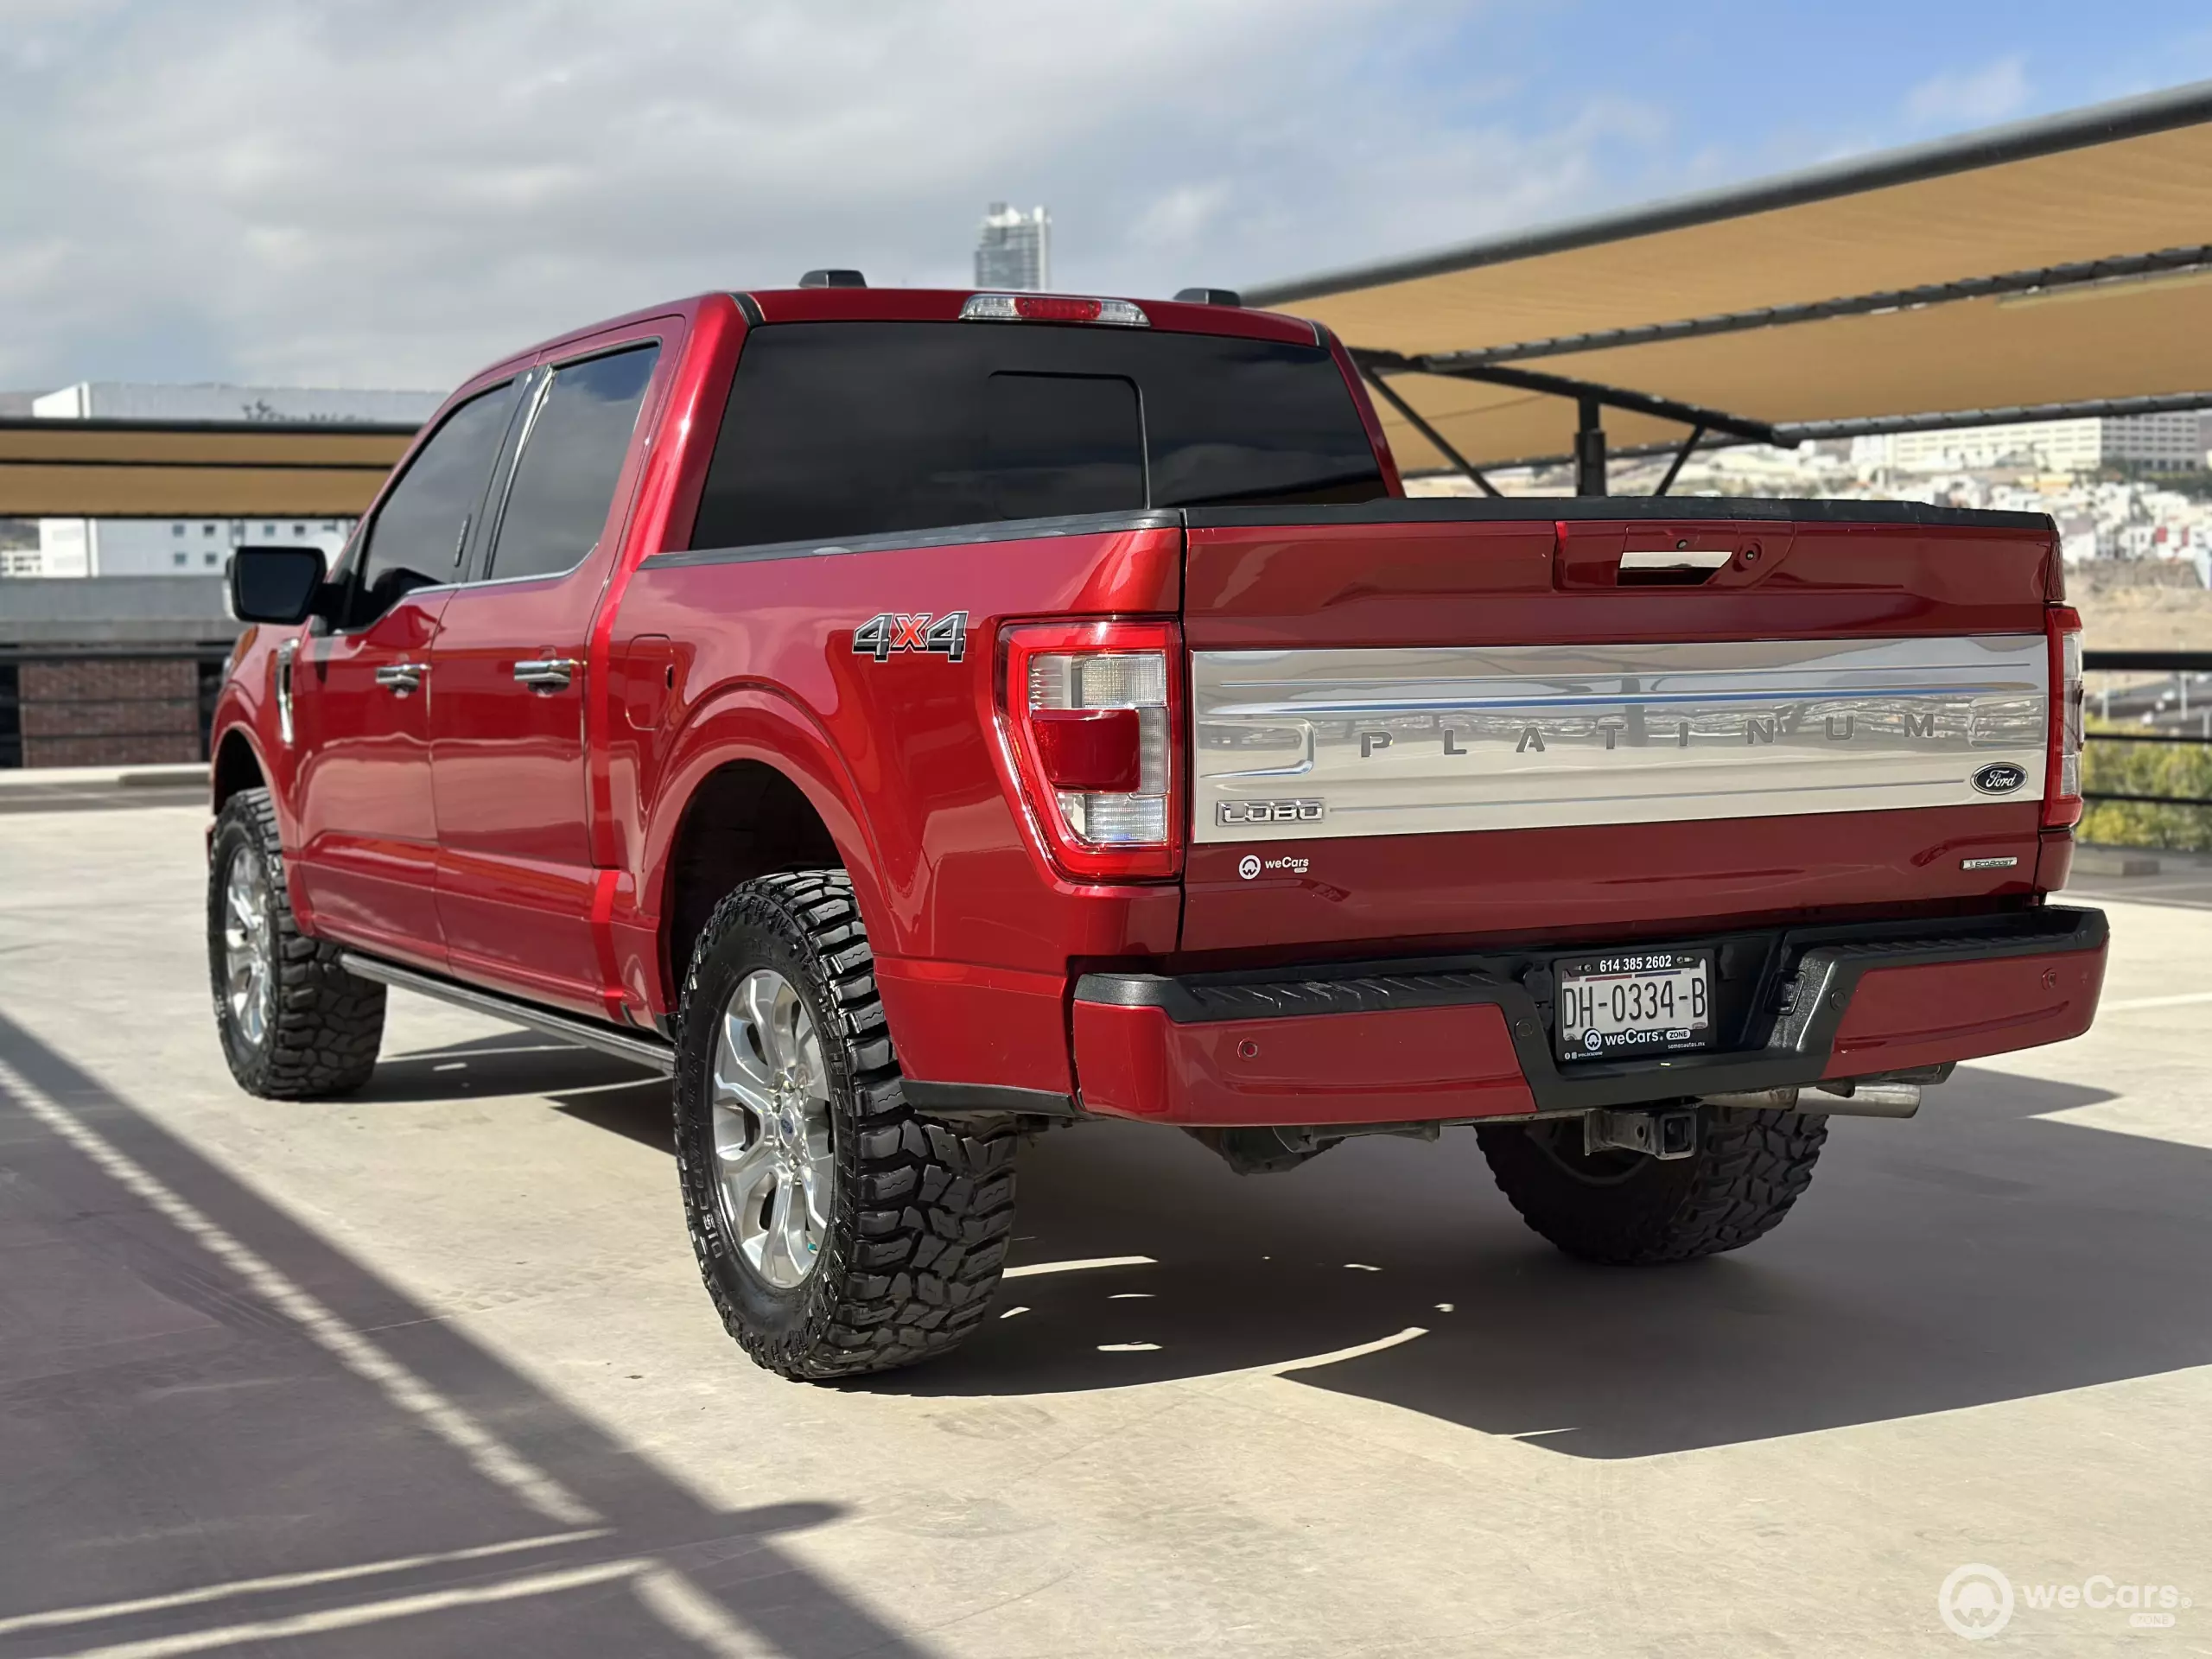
x=1841, y=1098
x=1870, y=1099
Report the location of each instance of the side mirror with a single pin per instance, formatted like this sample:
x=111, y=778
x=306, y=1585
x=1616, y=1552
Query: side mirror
x=275, y=584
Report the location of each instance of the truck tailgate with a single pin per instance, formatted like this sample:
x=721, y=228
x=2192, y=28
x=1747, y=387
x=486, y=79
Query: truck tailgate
x=1415, y=722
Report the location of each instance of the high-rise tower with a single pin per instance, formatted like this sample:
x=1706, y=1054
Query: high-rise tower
x=1014, y=249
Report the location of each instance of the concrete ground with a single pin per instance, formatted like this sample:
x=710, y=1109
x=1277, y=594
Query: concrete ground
x=430, y=1371
x=2179, y=879
x=89, y=789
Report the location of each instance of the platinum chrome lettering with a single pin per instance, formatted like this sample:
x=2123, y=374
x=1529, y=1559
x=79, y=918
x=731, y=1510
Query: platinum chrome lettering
x=1440, y=739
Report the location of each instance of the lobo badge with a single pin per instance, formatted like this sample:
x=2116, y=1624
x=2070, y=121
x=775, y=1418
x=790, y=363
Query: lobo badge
x=888, y=630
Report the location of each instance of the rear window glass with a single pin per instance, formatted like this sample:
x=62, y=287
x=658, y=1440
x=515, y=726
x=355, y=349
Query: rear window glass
x=857, y=429
x=1061, y=443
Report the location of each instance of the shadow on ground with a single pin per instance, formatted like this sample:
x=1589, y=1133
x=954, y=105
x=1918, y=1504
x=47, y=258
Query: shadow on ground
x=593, y=1088
x=218, y=1430
x=1973, y=1254
x=511, y=1062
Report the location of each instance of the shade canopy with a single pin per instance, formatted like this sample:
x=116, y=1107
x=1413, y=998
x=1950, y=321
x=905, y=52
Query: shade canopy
x=124, y=469
x=2048, y=268
x=2054, y=267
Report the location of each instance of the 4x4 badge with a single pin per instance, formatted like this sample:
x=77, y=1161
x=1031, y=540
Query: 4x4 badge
x=890, y=631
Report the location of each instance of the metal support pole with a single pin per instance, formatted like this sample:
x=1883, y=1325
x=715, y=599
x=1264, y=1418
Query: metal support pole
x=1681, y=455
x=1589, y=448
x=1436, y=439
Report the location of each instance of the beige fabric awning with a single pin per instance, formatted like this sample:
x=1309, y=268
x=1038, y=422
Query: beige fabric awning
x=2054, y=267
x=125, y=469
x=2024, y=272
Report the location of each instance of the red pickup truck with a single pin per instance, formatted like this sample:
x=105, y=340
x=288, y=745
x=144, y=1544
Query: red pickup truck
x=915, y=719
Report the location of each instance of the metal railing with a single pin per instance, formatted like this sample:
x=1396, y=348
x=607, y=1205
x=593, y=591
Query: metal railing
x=209, y=656
x=2149, y=700
x=2185, y=669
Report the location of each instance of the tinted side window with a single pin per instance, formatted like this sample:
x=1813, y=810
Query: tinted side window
x=571, y=460
x=1249, y=424
x=857, y=429
x=422, y=526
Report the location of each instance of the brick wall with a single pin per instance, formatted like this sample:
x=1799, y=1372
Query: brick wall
x=128, y=711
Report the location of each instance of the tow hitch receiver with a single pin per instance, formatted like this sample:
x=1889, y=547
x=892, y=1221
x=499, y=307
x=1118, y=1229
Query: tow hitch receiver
x=1667, y=1134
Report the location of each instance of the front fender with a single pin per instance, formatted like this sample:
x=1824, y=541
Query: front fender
x=245, y=712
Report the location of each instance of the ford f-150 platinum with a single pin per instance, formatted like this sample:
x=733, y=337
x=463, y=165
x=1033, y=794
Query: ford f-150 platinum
x=915, y=719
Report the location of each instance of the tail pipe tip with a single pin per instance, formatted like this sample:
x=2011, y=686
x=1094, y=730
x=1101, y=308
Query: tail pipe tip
x=1840, y=1098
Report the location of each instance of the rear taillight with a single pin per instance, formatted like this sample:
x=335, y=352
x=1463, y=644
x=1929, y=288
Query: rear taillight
x=1091, y=713
x=2062, y=789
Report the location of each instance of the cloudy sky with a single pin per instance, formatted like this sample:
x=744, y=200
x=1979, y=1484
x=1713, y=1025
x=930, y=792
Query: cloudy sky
x=391, y=192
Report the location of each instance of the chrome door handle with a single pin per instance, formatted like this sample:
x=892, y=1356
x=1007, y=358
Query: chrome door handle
x=400, y=679
x=547, y=673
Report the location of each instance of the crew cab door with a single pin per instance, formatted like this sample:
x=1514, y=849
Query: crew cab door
x=510, y=730
x=362, y=694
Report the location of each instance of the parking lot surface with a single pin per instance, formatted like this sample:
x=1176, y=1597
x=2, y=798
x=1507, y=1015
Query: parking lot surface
x=428, y=1372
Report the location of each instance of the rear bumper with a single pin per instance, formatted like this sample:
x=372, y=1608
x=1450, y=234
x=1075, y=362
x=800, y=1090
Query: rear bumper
x=1470, y=1036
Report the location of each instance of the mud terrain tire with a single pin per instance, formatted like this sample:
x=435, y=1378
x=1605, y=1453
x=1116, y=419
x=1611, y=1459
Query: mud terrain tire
x=919, y=1213
x=1628, y=1209
x=307, y=1030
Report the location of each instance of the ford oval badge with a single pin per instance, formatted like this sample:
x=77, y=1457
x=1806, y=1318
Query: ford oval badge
x=1999, y=777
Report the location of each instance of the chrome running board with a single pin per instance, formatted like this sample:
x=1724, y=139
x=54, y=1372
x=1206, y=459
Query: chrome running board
x=646, y=1051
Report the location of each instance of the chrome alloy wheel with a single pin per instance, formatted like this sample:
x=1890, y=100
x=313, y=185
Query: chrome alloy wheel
x=249, y=964
x=774, y=1162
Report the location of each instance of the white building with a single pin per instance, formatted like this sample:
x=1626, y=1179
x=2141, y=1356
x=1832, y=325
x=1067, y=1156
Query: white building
x=1014, y=249
x=2173, y=440
x=167, y=547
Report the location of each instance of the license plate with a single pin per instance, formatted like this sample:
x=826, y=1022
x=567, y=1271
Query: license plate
x=1648, y=1002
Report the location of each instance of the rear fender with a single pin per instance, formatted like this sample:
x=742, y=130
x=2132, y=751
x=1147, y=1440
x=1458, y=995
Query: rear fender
x=757, y=723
